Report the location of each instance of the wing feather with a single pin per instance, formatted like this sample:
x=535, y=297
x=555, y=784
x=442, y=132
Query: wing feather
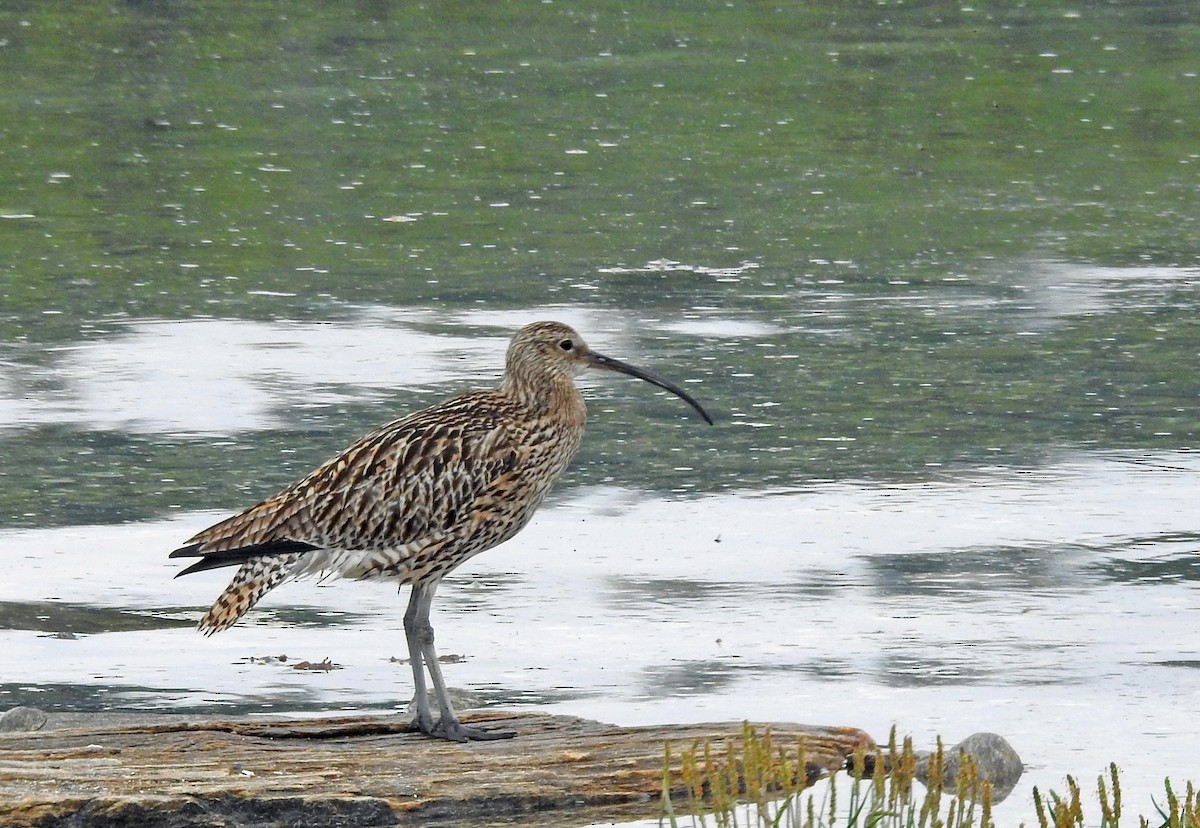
x=413, y=478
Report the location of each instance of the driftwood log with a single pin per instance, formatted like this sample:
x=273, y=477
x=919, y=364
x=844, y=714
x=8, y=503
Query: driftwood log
x=169, y=772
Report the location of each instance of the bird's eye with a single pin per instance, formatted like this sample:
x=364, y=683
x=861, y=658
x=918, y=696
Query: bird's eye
x=566, y=344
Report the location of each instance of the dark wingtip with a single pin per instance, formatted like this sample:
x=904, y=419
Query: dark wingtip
x=200, y=566
x=189, y=551
x=218, y=558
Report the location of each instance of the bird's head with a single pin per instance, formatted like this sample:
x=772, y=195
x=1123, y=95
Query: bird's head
x=553, y=350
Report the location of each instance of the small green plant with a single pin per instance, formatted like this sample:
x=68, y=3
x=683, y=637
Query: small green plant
x=756, y=782
x=1185, y=814
x=1056, y=811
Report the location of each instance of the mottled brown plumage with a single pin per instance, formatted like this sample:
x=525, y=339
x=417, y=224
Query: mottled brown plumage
x=415, y=498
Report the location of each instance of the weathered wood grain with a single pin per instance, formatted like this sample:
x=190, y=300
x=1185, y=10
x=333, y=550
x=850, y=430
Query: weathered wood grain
x=361, y=771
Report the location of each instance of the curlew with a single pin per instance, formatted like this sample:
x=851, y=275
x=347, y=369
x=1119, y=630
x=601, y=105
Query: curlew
x=415, y=498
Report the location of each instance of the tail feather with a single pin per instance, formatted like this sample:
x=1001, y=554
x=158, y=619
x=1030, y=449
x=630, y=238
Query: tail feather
x=254, y=579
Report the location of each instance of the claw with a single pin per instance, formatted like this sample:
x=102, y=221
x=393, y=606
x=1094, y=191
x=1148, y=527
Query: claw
x=455, y=731
x=463, y=733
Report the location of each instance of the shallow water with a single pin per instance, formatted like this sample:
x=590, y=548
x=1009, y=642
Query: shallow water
x=1032, y=604
x=934, y=270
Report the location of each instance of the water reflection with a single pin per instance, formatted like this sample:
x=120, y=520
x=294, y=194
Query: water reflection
x=982, y=571
x=1154, y=564
x=147, y=376
x=1028, y=296
x=298, y=617
x=689, y=678
x=72, y=697
x=67, y=619
x=489, y=591
x=886, y=383
x=823, y=585
x=150, y=378
x=1048, y=294
x=652, y=596
x=913, y=670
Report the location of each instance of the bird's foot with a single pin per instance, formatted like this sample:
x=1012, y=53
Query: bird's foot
x=423, y=722
x=455, y=731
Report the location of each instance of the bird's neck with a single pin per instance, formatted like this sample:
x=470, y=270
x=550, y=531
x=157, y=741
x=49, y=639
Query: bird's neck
x=548, y=396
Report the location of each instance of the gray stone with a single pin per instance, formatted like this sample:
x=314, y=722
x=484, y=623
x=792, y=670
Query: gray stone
x=22, y=719
x=995, y=758
x=460, y=699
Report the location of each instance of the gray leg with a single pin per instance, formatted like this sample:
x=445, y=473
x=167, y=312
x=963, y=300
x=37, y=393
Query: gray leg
x=419, y=632
x=412, y=634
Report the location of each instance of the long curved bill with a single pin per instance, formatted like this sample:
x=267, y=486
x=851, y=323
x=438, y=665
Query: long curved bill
x=605, y=363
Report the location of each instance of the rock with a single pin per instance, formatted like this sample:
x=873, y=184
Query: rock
x=459, y=699
x=993, y=756
x=22, y=719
